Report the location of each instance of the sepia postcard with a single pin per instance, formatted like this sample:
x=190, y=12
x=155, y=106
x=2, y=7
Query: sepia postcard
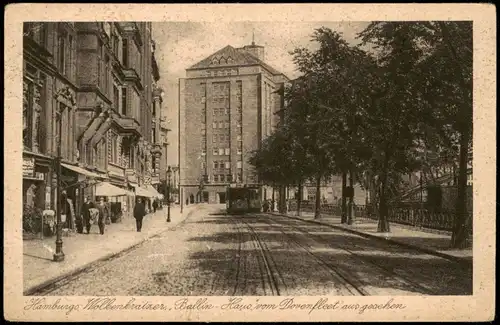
x=250, y=162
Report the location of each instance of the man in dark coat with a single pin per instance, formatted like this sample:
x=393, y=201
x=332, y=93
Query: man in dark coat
x=155, y=205
x=103, y=215
x=86, y=206
x=139, y=213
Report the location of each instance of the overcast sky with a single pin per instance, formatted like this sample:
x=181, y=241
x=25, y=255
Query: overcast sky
x=182, y=44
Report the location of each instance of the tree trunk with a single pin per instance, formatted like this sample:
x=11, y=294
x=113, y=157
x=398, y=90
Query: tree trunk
x=299, y=198
x=281, y=199
x=317, y=209
x=383, y=222
x=461, y=226
x=343, y=218
x=351, y=216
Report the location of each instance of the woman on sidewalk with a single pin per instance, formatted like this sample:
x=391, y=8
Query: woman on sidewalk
x=139, y=213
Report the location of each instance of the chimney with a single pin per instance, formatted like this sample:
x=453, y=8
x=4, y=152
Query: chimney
x=255, y=50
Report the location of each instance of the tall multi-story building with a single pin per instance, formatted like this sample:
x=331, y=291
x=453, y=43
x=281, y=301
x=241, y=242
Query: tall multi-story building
x=226, y=108
x=49, y=107
x=92, y=85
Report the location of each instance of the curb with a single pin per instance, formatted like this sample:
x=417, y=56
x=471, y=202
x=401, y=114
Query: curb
x=86, y=266
x=460, y=260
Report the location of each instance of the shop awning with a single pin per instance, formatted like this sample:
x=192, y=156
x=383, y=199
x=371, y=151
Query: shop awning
x=141, y=191
x=153, y=191
x=107, y=189
x=82, y=171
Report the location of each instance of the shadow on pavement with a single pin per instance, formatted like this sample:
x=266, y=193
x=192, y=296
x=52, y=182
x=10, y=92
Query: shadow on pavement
x=371, y=262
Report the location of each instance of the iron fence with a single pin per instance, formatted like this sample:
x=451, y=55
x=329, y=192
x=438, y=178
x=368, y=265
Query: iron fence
x=408, y=215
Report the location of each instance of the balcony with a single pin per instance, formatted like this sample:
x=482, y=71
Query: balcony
x=128, y=125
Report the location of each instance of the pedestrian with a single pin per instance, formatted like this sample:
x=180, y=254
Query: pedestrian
x=86, y=206
x=139, y=213
x=155, y=205
x=103, y=215
x=265, y=206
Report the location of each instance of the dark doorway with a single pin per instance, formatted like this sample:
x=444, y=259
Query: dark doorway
x=191, y=199
x=222, y=197
x=205, y=196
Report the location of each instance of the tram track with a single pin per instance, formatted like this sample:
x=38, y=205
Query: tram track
x=349, y=284
x=403, y=279
x=267, y=263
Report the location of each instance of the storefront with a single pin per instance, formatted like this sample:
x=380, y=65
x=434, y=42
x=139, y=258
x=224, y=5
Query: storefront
x=37, y=175
x=78, y=182
x=115, y=197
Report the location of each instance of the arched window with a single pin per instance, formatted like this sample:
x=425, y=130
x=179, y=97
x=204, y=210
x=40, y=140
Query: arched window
x=229, y=60
x=215, y=61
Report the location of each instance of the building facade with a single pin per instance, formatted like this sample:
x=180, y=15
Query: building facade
x=91, y=85
x=49, y=107
x=227, y=105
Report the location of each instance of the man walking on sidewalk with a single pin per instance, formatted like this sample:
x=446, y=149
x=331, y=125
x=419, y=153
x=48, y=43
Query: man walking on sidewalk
x=155, y=205
x=86, y=206
x=103, y=214
x=139, y=213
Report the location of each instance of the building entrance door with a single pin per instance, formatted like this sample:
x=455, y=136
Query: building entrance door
x=222, y=197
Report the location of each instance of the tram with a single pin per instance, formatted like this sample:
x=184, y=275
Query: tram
x=241, y=200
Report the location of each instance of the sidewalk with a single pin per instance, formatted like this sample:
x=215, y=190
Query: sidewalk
x=81, y=250
x=434, y=244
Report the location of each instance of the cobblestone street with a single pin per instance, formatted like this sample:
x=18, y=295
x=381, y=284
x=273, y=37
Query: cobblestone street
x=216, y=254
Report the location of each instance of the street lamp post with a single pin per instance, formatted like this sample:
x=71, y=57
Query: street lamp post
x=169, y=177
x=59, y=254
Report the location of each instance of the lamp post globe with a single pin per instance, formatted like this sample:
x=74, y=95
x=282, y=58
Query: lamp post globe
x=169, y=178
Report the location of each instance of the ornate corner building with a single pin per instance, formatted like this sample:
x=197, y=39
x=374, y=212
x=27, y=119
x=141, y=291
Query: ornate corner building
x=227, y=106
x=93, y=84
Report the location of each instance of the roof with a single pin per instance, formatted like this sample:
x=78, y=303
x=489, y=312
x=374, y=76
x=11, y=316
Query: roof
x=230, y=56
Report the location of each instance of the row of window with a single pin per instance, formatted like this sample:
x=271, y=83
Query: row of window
x=220, y=125
x=225, y=164
x=220, y=111
x=222, y=60
x=223, y=178
x=222, y=164
x=223, y=138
